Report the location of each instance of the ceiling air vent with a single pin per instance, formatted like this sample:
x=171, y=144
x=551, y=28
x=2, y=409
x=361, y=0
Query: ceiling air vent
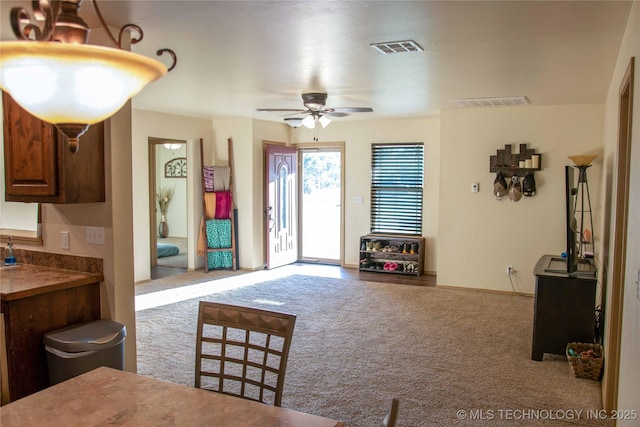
x=492, y=102
x=388, y=48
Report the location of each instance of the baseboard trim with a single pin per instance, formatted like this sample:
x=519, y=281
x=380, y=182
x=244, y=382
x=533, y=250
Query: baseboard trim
x=490, y=291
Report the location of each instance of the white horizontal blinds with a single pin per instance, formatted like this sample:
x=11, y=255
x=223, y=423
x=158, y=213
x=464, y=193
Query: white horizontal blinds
x=397, y=178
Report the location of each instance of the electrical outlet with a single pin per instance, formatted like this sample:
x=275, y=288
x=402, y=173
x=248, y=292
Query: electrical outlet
x=64, y=239
x=475, y=187
x=509, y=270
x=95, y=235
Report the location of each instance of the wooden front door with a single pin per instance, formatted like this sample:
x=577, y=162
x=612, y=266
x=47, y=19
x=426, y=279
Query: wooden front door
x=281, y=208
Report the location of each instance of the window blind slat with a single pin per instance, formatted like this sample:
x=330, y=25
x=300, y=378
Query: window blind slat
x=397, y=179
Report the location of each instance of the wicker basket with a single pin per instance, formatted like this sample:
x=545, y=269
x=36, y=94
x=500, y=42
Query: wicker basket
x=585, y=367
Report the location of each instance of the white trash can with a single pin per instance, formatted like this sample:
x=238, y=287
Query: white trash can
x=80, y=348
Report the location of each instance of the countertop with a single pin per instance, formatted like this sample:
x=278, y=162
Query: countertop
x=107, y=396
x=26, y=280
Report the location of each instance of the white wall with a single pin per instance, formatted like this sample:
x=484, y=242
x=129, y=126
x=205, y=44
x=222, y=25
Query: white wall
x=629, y=379
x=479, y=235
x=240, y=130
x=148, y=124
x=358, y=137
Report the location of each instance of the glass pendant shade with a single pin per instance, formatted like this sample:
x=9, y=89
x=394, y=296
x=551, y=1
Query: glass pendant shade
x=294, y=122
x=324, y=121
x=63, y=83
x=309, y=122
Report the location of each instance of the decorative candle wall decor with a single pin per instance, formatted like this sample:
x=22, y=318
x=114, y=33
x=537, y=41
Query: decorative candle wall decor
x=515, y=164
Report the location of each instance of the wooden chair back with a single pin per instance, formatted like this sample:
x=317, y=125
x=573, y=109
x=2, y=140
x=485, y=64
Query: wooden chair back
x=243, y=351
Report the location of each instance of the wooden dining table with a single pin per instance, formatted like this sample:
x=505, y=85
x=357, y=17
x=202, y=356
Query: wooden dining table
x=107, y=396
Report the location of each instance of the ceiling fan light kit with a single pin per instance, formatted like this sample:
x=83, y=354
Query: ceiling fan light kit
x=294, y=122
x=324, y=121
x=309, y=122
x=314, y=103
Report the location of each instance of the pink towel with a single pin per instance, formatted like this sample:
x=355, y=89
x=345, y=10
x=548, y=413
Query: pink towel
x=223, y=204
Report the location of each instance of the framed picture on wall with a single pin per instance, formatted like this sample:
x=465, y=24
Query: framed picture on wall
x=176, y=168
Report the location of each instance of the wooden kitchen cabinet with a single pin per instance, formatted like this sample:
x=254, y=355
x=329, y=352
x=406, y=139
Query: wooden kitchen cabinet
x=39, y=166
x=35, y=300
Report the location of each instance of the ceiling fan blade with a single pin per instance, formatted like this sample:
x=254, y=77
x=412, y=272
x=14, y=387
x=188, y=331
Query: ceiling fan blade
x=275, y=110
x=297, y=113
x=335, y=114
x=353, y=110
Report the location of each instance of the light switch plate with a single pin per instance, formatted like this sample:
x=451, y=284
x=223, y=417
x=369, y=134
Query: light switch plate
x=64, y=239
x=95, y=235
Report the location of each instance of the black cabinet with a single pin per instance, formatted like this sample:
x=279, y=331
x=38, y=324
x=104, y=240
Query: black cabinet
x=564, y=309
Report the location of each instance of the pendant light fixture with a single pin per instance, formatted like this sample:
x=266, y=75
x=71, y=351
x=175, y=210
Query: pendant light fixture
x=57, y=77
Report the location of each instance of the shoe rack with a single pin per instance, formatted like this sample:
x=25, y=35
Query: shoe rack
x=392, y=254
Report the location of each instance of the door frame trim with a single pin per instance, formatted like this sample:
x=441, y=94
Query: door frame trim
x=153, y=142
x=614, y=319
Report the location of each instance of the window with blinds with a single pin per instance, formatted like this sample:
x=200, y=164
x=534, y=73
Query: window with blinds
x=397, y=177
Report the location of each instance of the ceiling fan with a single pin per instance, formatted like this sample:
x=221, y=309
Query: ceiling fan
x=315, y=111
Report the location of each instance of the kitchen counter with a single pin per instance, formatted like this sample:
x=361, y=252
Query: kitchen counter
x=106, y=396
x=35, y=300
x=26, y=280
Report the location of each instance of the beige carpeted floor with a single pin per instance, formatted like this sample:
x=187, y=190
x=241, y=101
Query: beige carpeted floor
x=174, y=261
x=452, y=357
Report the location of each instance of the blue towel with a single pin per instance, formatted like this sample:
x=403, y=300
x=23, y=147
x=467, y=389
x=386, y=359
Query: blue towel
x=222, y=259
x=219, y=236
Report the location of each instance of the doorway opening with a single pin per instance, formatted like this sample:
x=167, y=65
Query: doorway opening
x=321, y=204
x=168, y=207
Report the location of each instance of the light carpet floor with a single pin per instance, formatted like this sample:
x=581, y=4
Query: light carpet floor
x=174, y=261
x=452, y=357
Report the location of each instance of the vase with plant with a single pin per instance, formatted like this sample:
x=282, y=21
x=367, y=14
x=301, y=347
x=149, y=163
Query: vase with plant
x=164, y=196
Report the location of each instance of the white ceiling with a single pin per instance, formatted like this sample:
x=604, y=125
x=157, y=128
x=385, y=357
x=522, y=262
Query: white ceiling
x=236, y=56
